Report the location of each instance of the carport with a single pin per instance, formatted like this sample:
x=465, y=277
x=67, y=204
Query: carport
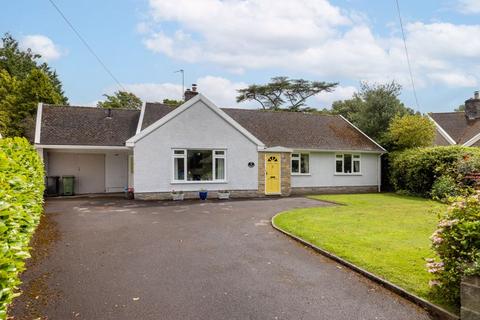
x=96, y=170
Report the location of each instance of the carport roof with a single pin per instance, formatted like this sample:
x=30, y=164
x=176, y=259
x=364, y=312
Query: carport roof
x=68, y=125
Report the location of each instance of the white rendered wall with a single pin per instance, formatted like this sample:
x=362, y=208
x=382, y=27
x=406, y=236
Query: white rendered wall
x=322, y=172
x=196, y=127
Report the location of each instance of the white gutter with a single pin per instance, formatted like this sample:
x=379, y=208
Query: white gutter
x=38, y=123
x=80, y=147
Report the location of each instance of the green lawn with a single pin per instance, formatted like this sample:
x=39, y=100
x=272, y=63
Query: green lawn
x=386, y=234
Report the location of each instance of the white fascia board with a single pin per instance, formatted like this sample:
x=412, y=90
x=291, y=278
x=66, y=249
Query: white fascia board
x=199, y=97
x=79, y=147
x=140, y=120
x=363, y=133
x=472, y=141
x=275, y=149
x=340, y=151
x=38, y=123
x=443, y=133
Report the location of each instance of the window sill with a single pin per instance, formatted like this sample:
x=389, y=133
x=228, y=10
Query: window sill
x=348, y=174
x=199, y=182
x=301, y=174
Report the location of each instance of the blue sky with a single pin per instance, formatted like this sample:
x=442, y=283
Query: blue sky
x=225, y=45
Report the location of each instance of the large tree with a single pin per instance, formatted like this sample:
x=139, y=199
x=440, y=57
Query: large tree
x=121, y=100
x=372, y=108
x=410, y=131
x=24, y=82
x=284, y=93
x=19, y=63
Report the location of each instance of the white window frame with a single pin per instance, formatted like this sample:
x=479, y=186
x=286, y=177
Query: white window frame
x=214, y=157
x=298, y=156
x=355, y=157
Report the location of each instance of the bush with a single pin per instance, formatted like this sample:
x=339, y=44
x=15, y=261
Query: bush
x=457, y=244
x=415, y=170
x=444, y=188
x=21, y=205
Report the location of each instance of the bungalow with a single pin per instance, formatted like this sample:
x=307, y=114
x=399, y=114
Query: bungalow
x=459, y=128
x=199, y=146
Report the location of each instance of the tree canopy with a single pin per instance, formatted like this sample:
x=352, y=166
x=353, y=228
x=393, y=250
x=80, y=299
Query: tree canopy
x=121, y=100
x=373, y=108
x=24, y=82
x=284, y=93
x=410, y=131
x=172, y=102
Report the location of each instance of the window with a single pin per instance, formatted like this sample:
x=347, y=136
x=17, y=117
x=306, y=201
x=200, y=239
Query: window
x=300, y=163
x=347, y=163
x=198, y=165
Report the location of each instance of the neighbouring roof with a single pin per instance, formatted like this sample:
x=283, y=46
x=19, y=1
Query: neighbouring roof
x=456, y=124
x=63, y=125
x=89, y=126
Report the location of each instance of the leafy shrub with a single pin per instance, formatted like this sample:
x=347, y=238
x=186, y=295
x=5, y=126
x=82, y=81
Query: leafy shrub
x=415, y=170
x=457, y=244
x=21, y=205
x=445, y=187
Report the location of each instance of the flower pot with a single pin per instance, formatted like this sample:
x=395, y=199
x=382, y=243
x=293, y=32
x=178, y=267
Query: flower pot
x=223, y=195
x=178, y=196
x=203, y=195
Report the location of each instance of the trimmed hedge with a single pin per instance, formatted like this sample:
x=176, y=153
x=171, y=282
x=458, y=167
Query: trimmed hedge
x=416, y=170
x=21, y=205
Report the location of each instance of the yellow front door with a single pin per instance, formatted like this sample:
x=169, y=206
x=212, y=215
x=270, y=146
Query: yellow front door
x=272, y=173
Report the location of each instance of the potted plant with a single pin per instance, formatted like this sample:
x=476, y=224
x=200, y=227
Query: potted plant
x=223, y=194
x=177, y=195
x=203, y=194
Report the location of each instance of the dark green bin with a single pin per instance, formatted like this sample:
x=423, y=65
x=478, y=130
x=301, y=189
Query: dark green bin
x=68, y=183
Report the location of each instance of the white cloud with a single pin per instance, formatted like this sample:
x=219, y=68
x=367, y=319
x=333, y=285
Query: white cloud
x=220, y=90
x=340, y=93
x=469, y=6
x=311, y=36
x=42, y=45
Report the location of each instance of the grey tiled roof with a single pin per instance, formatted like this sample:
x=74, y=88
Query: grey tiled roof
x=302, y=130
x=457, y=125
x=90, y=126
x=68, y=125
x=153, y=112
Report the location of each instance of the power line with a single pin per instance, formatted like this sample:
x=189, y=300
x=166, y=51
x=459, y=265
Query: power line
x=87, y=45
x=407, y=55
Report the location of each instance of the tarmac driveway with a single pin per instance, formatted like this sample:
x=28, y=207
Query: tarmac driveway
x=119, y=259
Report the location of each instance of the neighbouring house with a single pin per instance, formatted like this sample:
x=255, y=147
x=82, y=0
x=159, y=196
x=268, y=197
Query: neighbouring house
x=199, y=146
x=459, y=128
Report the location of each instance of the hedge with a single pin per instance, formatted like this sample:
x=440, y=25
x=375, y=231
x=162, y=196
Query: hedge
x=21, y=205
x=416, y=170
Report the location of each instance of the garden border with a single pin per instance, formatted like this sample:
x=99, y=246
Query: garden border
x=434, y=310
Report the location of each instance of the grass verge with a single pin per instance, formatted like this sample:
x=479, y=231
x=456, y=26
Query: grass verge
x=386, y=234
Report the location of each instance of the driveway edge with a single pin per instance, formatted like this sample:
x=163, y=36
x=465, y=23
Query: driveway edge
x=434, y=310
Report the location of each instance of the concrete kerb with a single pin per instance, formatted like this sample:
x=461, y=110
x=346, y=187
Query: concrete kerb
x=434, y=310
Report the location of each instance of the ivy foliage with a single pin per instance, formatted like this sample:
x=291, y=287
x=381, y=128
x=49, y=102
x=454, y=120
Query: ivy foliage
x=457, y=244
x=416, y=170
x=21, y=205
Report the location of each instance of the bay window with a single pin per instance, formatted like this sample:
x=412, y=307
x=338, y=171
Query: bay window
x=347, y=163
x=198, y=165
x=300, y=163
